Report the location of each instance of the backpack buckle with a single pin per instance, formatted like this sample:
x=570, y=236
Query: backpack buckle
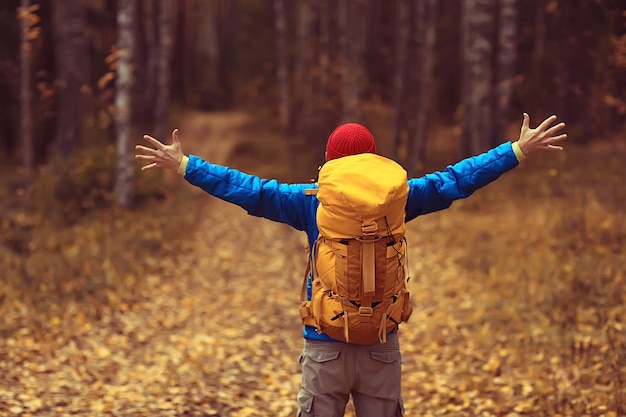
x=369, y=229
x=366, y=311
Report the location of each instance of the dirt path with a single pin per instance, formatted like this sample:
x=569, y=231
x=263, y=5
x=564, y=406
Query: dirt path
x=241, y=281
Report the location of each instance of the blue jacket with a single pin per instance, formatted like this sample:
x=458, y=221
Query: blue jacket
x=288, y=203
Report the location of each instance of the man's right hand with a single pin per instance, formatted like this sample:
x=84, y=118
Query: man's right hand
x=163, y=156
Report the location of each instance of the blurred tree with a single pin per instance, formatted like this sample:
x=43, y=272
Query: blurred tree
x=29, y=32
x=303, y=77
x=9, y=51
x=555, y=56
x=377, y=51
x=126, y=16
x=145, y=62
x=352, y=37
x=325, y=103
x=478, y=35
x=187, y=55
x=608, y=102
x=576, y=52
x=614, y=97
x=425, y=34
x=505, y=67
x=537, y=73
x=163, y=13
x=282, y=67
x=206, y=48
x=223, y=49
x=401, y=73
x=72, y=75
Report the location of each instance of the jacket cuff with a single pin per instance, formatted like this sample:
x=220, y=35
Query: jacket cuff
x=518, y=152
x=182, y=168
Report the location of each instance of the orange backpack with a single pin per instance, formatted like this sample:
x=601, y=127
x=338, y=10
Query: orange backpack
x=358, y=263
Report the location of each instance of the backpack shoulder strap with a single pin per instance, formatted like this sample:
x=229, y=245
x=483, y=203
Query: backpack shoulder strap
x=305, y=281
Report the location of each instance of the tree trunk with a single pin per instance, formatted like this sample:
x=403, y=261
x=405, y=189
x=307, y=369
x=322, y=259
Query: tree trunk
x=479, y=24
x=374, y=55
x=538, y=99
x=325, y=104
x=576, y=72
x=352, y=18
x=124, y=190
x=189, y=84
x=282, y=67
x=163, y=17
x=505, y=70
x=71, y=73
x=144, y=58
x=27, y=21
x=400, y=80
x=303, y=69
x=216, y=53
x=426, y=17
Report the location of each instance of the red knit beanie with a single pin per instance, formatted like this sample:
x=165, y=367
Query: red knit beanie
x=349, y=139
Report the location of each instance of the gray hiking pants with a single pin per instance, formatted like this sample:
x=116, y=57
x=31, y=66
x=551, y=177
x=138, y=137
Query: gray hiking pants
x=332, y=371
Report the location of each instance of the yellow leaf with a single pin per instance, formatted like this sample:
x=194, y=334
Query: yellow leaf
x=492, y=365
x=104, y=80
x=527, y=388
x=16, y=409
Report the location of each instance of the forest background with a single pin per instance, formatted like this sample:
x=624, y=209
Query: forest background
x=118, y=298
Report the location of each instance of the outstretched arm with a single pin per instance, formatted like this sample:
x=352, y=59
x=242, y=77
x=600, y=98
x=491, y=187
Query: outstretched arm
x=285, y=203
x=438, y=190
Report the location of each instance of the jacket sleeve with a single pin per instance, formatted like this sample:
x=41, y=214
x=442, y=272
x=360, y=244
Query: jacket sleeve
x=438, y=190
x=285, y=203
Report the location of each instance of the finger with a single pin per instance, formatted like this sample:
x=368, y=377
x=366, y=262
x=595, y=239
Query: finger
x=559, y=138
x=543, y=126
x=554, y=129
x=175, y=138
x=526, y=122
x=149, y=166
x=146, y=157
x=154, y=142
x=554, y=148
x=146, y=150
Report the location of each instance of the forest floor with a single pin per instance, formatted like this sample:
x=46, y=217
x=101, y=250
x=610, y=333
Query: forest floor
x=187, y=306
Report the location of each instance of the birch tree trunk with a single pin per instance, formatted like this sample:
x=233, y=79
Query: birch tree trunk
x=505, y=70
x=71, y=73
x=426, y=19
x=163, y=14
x=124, y=190
x=478, y=28
x=400, y=79
x=26, y=104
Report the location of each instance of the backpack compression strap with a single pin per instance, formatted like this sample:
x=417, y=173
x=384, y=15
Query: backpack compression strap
x=368, y=268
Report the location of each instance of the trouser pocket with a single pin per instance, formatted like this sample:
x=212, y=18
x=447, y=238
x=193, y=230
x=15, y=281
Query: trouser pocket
x=305, y=404
x=325, y=384
x=400, y=408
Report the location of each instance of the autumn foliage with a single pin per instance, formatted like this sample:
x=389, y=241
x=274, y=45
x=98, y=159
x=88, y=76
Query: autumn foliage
x=186, y=306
